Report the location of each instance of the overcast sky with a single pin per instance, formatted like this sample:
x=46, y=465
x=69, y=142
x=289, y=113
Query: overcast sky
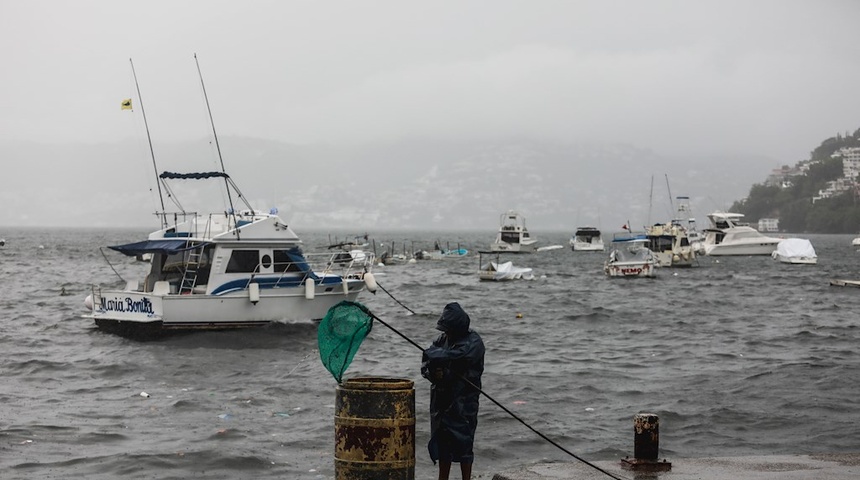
x=763, y=77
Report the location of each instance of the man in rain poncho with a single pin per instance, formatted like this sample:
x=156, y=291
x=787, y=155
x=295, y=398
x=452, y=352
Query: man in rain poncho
x=453, y=364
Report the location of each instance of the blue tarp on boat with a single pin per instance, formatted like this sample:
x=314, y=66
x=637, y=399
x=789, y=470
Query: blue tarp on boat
x=155, y=246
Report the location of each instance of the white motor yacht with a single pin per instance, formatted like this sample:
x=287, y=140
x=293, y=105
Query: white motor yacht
x=587, y=239
x=513, y=235
x=729, y=235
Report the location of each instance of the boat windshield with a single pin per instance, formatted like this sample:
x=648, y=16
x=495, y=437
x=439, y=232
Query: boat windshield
x=631, y=252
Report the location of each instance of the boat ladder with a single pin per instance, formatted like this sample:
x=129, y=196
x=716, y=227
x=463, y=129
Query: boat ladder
x=189, y=278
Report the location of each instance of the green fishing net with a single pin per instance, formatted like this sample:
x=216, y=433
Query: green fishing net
x=340, y=333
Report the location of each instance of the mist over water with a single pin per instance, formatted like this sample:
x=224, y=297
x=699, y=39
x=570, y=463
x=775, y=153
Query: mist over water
x=739, y=356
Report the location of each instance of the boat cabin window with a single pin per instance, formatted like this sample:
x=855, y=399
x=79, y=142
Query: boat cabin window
x=283, y=262
x=243, y=261
x=510, y=237
x=267, y=261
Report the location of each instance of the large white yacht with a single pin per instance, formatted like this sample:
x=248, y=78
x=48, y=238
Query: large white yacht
x=513, y=235
x=729, y=235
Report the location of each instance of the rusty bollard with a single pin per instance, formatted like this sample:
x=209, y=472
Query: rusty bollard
x=646, y=445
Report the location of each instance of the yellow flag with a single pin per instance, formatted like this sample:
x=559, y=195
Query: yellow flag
x=126, y=104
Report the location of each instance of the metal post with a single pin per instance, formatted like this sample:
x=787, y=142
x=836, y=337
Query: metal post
x=646, y=445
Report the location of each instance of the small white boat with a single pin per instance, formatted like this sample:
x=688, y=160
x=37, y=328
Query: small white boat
x=856, y=242
x=587, y=239
x=513, y=235
x=728, y=235
x=795, y=250
x=501, y=271
x=631, y=258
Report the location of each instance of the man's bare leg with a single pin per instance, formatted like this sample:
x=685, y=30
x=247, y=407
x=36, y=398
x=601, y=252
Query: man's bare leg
x=444, y=470
x=466, y=470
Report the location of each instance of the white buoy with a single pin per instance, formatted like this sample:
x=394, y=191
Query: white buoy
x=88, y=302
x=370, y=282
x=310, y=289
x=254, y=292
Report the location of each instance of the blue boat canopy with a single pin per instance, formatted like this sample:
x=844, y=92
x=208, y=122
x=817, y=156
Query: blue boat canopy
x=155, y=246
x=193, y=176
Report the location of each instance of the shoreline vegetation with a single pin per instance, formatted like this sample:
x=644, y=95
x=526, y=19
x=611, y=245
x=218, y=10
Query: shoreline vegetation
x=793, y=194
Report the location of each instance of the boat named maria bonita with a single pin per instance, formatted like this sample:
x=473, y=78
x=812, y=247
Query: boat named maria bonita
x=225, y=270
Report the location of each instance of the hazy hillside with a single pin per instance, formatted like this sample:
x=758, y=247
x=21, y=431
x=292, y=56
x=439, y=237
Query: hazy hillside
x=415, y=185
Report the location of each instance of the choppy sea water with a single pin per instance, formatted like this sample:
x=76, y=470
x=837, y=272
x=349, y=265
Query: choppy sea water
x=739, y=356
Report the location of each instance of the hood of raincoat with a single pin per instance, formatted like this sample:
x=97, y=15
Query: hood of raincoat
x=454, y=320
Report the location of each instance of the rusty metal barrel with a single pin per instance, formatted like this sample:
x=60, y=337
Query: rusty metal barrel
x=374, y=429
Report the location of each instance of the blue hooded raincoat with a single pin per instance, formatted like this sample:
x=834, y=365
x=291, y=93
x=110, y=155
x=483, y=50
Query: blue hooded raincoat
x=456, y=356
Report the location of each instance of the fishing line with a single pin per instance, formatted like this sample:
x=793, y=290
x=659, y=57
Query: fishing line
x=512, y=414
x=396, y=300
x=300, y=363
x=110, y=265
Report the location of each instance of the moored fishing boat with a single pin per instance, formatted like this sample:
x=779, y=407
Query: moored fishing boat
x=671, y=245
x=223, y=270
x=513, y=236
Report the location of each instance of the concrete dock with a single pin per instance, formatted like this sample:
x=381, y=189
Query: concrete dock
x=840, y=466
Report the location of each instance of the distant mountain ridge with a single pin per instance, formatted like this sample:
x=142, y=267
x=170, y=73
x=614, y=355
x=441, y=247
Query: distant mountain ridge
x=428, y=185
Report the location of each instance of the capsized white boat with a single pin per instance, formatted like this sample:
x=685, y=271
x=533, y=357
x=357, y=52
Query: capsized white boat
x=498, y=271
x=513, y=236
x=225, y=270
x=630, y=257
x=795, y=250
x=729, y=235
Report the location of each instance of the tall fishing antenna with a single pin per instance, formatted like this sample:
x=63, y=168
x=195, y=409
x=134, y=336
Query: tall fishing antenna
x=671, y=202
x=650, y=199
x=149, y=138
x=217, y=145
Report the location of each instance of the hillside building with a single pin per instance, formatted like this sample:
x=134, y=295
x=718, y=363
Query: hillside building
x=768, y=225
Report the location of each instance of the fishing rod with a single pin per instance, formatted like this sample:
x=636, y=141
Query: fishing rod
x=217, y=145
x=149, y=138
x=512, y=414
